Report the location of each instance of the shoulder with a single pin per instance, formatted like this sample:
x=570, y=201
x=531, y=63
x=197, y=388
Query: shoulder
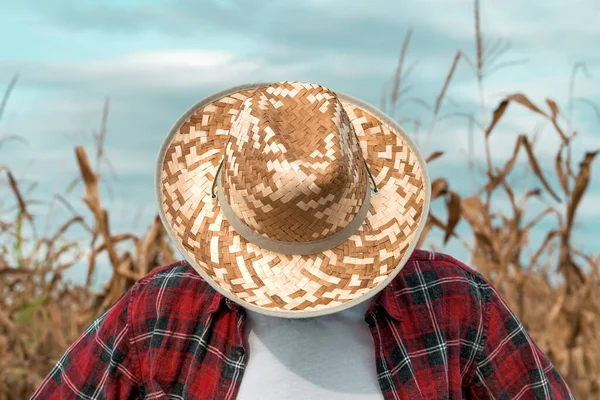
x=435, y=260
x=440, y=278
x=179, y=276
x=439, y=266
x=168, y=290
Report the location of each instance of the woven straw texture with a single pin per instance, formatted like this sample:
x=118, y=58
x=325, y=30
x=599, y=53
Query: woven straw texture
x=292, y=170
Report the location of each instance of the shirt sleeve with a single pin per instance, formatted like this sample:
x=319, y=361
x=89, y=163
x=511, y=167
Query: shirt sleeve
x=98, y=365
x=509, y=363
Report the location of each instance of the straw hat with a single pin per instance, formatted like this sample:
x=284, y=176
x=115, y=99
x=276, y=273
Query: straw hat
x=290, y=199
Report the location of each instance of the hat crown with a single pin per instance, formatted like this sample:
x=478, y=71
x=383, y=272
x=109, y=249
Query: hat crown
x=293, y=169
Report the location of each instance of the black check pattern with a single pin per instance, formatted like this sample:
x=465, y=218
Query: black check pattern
x=440, y=331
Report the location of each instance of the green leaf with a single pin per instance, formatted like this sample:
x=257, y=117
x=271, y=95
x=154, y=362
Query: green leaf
x=27, y=309
x=18, y=245
x=73, y=185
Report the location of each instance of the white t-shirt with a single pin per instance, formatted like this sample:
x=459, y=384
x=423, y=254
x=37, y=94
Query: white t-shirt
x=330, y=357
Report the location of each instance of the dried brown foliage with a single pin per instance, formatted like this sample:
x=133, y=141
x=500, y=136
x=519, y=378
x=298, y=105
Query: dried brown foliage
x=40, y=314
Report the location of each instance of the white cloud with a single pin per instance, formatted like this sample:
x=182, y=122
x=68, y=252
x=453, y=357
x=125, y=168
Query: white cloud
x=152, y=69
x=173, y=68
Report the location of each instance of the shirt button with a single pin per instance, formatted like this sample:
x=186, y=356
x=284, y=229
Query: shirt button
x=230, y=304
x=370, y=320
x=238, y=352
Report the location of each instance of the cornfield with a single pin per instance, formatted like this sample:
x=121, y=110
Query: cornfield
x=41, y=314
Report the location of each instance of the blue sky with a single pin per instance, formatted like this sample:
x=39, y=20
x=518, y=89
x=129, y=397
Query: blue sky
x=155, y=58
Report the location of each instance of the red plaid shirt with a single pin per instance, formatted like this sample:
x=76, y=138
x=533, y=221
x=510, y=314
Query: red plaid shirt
x=441, y=331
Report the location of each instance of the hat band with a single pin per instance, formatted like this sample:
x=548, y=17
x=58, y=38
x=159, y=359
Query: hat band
x=299, y=248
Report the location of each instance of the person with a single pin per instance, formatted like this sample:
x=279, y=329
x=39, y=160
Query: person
x=298, y=210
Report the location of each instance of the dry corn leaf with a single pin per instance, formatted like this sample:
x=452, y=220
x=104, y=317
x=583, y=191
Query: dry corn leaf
x=89, y=177
x=454, y=213
x=536, y=168
x=532, y=193
x=474, y=211
x=440, y=98
x=476, y=214
x=397, y=80
x=434, y=155
x=553, y=108
x=437, y=222
x=494, y=181
x=581, y=183
x=15, y=188
x=539, y=217
x=501, y=109
x=560, y=173
x=439, y=187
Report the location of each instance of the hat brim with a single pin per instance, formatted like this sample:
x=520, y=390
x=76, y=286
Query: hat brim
x=281, y=285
